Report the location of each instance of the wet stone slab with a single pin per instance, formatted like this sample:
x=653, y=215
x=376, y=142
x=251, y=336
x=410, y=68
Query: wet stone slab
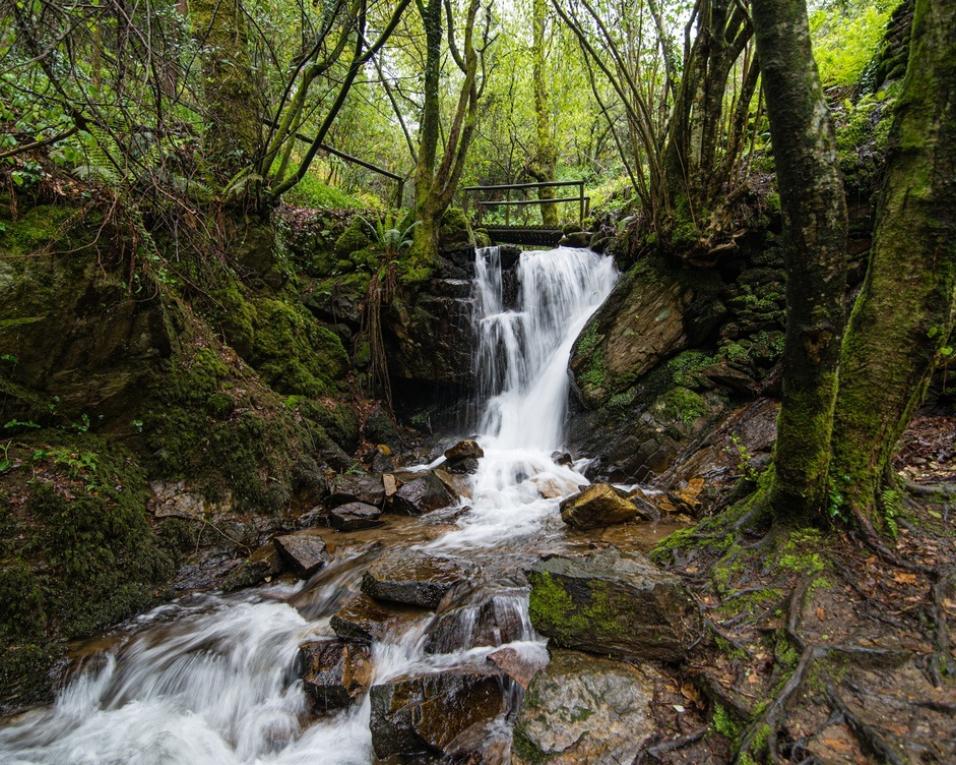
x=414, y=578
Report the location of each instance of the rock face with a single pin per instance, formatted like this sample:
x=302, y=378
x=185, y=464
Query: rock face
x=585, y=710
x=597, y=506
x=422, y=495
x=364, y=619
x=334, y=672
x=445, y=714
x=611, y=603
x=356, y=488
x=304, y=552
x=354, y=515
x=413, y=579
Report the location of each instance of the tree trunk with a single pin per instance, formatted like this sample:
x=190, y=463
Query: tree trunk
x=232, y=101
x=546, y=160
x=904, y=313
x=426, y=232
x=815, y=222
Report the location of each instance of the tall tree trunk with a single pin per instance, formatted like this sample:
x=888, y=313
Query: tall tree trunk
x=546, y=159
x=904, y=313
x=815, y=222
x=233, y=127
x=426, y=233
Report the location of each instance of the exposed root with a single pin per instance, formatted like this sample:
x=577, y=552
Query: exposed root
x=867, y=736
x=653, y=753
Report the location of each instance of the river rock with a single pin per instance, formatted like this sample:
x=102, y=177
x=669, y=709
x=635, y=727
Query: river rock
x=445, y=714
x=364, y=619
x=334, y=672
x=467, y=466
x=467, y=449
x=414, y=579
x=583, y=709
x=422, y=495
x=613, y=603
x=496, y=621
x=561, y=458
x=353, y=516
x=576, y=239
x=304, y=552
x=517, y=665
x=596, y=506
x=458, y=485
x=345, y=488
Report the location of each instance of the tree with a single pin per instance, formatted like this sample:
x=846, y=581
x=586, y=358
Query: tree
x=815, y=224
x=903, y=316
x=543, y=167
x=436, y=180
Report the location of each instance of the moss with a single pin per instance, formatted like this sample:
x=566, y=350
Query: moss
x=336, y=418
x=685, y=368
x=236, y=317
x=724, y=724
x=681, y=405
x=355, y=237
x=295, y=353
x=455, y=227
x=37, y=227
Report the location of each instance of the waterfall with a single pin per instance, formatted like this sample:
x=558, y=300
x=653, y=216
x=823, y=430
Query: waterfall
x=210, y=680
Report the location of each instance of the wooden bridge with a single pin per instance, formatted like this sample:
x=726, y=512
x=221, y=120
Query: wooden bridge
x=523, y=233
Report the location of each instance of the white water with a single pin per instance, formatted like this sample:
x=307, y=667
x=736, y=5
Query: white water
x=210, y=680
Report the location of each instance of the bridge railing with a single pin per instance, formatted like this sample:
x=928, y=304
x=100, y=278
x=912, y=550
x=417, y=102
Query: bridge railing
x=583, y=201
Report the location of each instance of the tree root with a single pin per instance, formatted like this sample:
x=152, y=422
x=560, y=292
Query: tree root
x=866, y=735
x=654, y=752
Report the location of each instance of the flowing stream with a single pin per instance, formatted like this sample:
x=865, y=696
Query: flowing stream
x=210, y=679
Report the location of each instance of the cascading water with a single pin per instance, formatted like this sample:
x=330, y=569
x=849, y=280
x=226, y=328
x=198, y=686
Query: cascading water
x=211, y=680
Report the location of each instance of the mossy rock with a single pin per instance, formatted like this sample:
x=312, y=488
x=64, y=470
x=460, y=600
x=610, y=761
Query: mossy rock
x=355, y=237
x=455, y=227
x=294, y=352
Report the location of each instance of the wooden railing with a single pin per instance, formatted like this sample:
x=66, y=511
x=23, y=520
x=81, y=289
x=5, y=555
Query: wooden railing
x=583, y=201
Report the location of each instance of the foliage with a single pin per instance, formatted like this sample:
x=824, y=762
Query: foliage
x=846, y=37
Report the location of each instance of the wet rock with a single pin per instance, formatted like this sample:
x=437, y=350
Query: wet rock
x=467, y=449
x=518, y=666
x=390, y=484
x=598, y=505
x=576, y=239
x=553, y=487
x=583, y=709
x=264, y=563
x=334, y=672
x=457, y=484
x=650, y=506
x=356, y=488
x=415, y=579
x=462, y=467
x=613, y=603
x=422, y=495
x=364, y=619
x=496, y=621
x=435, y=715
x=353, y=516
x=303, y=551
x=561, y=458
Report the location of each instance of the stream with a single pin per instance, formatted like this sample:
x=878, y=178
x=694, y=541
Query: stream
x=212, y=679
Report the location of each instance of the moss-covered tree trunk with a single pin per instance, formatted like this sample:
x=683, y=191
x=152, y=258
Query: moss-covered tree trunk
x=232, y=103
x=426, y=233
x=546, y=160
x=815, y=220
x=904, y=313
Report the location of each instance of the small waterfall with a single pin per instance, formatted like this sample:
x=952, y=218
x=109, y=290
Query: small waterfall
x=210, y=680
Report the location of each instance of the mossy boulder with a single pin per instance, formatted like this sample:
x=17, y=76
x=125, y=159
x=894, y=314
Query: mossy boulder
x=294, y=352
x=454, y=228
x=355, y=237
x=77, y=553
x=612, y=603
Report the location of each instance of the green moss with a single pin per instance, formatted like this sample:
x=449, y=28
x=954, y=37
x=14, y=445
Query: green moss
x=295, y=353
x=355, y=237
x=724, y=724
x=681, y=405
x=236, y=317
x=36, y=227
x=455, y=227
x=685, y=368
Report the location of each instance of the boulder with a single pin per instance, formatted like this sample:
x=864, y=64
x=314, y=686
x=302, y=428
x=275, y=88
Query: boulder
x=517, y=665
x=414, y=579
x=353, y=516
x=467, y=449
x=583, y=709
x=576, y=239
x=364, y=619
x=462, y=467
x=561, y=458
x=334, y=672
x=596, y=506
x=422, y=495
x=456, y=483
x=444, y=714
x=613, y=603
x=303, y=551
x=496, y=621
x=356, y=488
